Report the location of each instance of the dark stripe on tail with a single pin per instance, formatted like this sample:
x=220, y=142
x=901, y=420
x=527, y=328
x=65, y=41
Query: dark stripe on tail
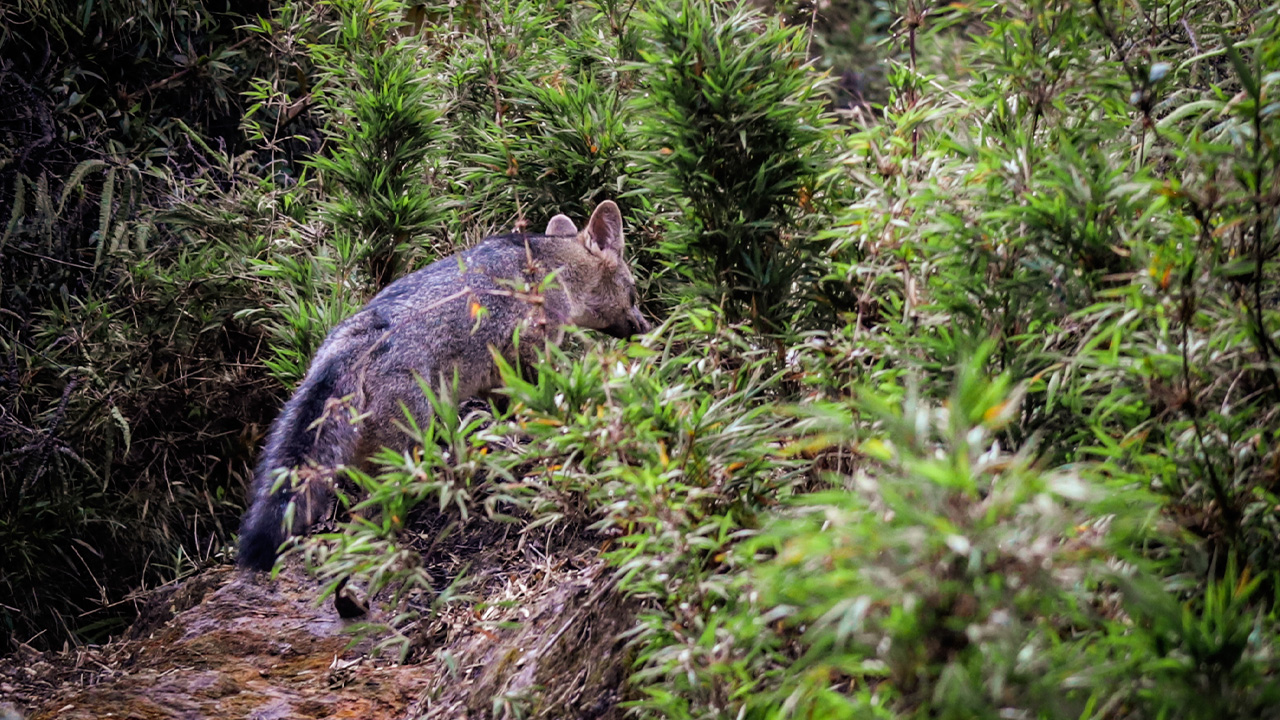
x=290, y=444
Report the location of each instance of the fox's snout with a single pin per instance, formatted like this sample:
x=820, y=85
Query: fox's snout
x=642, y=325
x=632, y=324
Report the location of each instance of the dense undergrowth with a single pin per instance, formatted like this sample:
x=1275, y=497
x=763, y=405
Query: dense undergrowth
x=963, y=402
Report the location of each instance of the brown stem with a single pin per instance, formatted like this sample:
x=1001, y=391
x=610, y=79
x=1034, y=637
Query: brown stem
x=131, y=97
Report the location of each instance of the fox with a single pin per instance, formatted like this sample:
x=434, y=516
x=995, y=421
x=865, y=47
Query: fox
x=442, y=325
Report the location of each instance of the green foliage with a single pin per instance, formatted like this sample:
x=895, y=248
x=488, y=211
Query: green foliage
x=387, y=142
x=104, y=402
x=1202, y=659
x=312, y=291
x=542, y=110
x=986, y=425
x=1107, y=243
x=737, y=127
x=446, y=476
x=565, y=151
x=128, y=387
x=1075, y=198
x=864, y=523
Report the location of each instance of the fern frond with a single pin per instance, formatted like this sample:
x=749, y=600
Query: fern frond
x=104, y=212
x=19, y=208
x=76, y=180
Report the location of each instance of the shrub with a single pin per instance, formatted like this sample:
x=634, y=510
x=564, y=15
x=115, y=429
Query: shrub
x=128, y=386
x=738, y=137
x=387, y=141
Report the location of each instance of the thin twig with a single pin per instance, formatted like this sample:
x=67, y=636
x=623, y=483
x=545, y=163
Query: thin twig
x=157, y=85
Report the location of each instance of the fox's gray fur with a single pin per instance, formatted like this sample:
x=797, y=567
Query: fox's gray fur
x=429, y=325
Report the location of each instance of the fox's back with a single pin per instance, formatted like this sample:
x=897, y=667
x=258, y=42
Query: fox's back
x=441, y=325
x=484, y=273
x=458, y=306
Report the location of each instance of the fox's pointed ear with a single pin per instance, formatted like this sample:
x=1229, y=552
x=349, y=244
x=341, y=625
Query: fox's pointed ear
x=604, y=230
x=561, y=225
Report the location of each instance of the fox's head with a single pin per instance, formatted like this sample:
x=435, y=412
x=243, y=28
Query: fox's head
x=604, y=293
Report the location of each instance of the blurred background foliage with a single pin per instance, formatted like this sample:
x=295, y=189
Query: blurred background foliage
x=964, y=399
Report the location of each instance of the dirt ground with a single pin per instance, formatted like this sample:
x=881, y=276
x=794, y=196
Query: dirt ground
x=540, y=638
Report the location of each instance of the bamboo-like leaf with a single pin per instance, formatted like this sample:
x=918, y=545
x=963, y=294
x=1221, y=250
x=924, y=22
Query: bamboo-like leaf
x=44, y=206
x=124, y=427
x=104, y=213
x=1242, y=68
x=116, y=236
x=1184, y=110
x=76, y=179
x=140, y=237
x=19, y=208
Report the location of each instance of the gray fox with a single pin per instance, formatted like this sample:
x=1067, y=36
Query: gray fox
x=439, y=324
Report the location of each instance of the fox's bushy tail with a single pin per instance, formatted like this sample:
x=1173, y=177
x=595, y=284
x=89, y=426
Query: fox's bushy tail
x=313, y=437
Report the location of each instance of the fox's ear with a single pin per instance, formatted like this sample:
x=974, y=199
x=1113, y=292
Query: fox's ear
x=604, y=230
x=561, y=225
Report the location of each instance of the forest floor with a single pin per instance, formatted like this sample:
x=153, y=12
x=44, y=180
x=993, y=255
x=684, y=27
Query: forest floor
x=539, y=633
